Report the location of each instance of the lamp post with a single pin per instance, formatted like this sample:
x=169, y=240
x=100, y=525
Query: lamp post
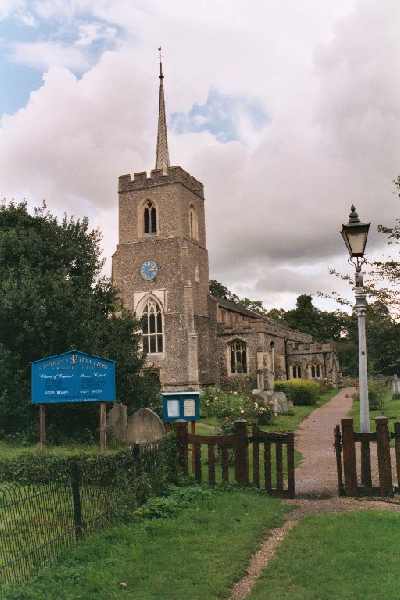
x=355, y=235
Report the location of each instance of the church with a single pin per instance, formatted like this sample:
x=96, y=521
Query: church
x=192, y=339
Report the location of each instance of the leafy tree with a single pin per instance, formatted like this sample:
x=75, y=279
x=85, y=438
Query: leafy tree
x=52, y=299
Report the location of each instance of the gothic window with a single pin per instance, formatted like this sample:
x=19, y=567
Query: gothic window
x=152, y=328
x=193, y=224
x=150, y=218
x=296, y=372
x=313, y=371
x=318, y=371
x=238, y=352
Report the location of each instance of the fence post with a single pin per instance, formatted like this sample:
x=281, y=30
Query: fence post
x=349, y=457
x=241, y=453
x=181, y=429
x=76, y=498
x=339, y=465
x=384, y=459
x=290, y=464
x=397, y=450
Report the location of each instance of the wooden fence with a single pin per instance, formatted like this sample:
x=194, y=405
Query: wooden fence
x=359, y=474
x=259, y=458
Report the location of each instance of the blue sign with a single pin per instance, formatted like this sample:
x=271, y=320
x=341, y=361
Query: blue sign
x=73, y=377
x=182, y=406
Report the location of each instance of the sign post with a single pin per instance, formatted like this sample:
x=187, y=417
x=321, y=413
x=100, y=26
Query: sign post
x=42, y=426
x=70, y=378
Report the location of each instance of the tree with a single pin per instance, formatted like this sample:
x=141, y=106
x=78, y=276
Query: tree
x=52, y=299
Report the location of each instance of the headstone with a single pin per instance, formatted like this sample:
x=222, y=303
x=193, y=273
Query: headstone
x=144, y=426
x=281, y=404
x=395, y=385
x=275, y=400
x=117, y=421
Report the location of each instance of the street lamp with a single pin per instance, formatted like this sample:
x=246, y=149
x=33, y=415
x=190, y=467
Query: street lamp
x=355, y=235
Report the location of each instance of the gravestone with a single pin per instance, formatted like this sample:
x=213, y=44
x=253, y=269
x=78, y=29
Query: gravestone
x=117, y=421
x=144, y=426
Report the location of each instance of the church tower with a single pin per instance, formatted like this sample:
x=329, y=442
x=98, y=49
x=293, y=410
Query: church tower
x=161, y=267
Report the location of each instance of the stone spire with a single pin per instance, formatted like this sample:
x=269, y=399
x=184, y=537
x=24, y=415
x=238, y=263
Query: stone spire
x=162, y=155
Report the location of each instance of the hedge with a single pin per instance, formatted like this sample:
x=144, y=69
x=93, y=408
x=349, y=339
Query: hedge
x=300, y=391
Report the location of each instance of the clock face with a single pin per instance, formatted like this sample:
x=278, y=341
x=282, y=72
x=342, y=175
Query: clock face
x=149, y=270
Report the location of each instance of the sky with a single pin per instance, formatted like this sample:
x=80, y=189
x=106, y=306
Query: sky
x=287, y=111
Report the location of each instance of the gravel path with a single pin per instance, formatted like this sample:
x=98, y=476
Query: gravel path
x=317, y=476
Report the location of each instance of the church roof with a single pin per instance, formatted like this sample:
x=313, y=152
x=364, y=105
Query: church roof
x=235, y=307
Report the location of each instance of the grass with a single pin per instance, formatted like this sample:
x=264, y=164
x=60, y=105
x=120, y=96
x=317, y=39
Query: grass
x=199, y=553
x=391, y=409
x=326, y=557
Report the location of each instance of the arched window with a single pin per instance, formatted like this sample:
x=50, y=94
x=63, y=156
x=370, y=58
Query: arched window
x=296, y=372
x=150, y=218
x=152, y=328
x=238, y=352
x=193, y=224
x=318, y=371
x=313, y=371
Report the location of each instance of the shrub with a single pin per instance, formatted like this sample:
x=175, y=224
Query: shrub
x=376, y=394
x=227, y=407
x=396, y=396
x=300, y=391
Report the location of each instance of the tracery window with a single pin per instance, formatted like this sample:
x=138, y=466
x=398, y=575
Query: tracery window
x=238, y=356
x=193, y=224
x=150, y=218
x=152, y=328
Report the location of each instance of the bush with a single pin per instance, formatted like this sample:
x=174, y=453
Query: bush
x=376, y=394
x=227, y=407
x=396, y=396
x=302, y=392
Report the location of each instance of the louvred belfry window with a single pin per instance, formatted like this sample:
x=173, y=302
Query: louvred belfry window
x=150, y=218
x=152, y=328
x=238, y=352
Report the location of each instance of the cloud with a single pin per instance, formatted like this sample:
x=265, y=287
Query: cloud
x=43, y=55
x=222, y=115
x=276, y=195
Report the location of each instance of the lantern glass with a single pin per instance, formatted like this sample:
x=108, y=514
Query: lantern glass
x=355, y=236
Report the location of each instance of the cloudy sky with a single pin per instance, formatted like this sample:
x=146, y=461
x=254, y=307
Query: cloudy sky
x=287, y=111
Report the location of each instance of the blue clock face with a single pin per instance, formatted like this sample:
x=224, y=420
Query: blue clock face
x=149, y=270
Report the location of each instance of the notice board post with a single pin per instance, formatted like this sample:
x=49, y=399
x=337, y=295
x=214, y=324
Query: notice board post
x=70, y=378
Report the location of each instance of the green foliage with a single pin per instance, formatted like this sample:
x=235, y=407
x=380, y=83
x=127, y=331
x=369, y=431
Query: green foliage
x=29, y=468
x=302, y=392
x=53, y=299
x=227, y=407
x=396, y=396
x=164, y=507
x=377, y=391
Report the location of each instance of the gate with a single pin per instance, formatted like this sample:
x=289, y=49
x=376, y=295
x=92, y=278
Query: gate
x=265, y=460
x=364, y=460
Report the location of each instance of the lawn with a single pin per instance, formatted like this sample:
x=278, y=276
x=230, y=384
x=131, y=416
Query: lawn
x=198, y=553
x=352, y=556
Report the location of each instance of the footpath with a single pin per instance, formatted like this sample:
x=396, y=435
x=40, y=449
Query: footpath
x=316, y=484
